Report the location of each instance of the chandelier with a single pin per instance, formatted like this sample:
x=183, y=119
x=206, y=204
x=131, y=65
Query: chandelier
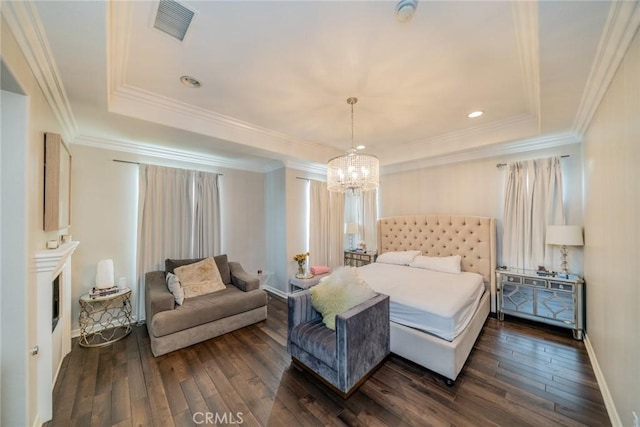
x=353, y=171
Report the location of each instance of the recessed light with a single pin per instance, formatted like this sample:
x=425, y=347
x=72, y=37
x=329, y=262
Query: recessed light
x=189, y=81
x=361, y=147
x=475, y=114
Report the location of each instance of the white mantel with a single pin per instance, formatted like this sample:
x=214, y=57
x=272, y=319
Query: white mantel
x=52, y=347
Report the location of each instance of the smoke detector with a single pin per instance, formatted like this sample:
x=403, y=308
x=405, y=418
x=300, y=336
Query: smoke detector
x=405, y=10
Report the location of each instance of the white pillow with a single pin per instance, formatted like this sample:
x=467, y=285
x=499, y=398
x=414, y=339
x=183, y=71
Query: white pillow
x=445, y=264
x=398, y=257
x=173, y=283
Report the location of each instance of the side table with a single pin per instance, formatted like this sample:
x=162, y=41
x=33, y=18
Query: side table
x=302, y=284
x=104, y=320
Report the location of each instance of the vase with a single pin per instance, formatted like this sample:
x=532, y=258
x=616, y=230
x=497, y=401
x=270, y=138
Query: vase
x=301, y=268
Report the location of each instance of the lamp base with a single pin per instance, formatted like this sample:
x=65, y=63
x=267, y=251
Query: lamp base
x=563, y=257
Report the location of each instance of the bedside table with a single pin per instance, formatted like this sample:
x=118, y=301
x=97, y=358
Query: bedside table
x=358, y=259
x=548, y=299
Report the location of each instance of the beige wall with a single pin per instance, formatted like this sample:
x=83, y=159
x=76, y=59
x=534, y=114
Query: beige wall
x=105, y=214
x=477, y=188
x=18, y=408
x=612, y=235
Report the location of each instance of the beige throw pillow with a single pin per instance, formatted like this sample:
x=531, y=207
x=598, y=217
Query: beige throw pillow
x=200, y=278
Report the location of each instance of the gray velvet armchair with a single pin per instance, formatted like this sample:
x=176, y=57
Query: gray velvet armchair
x=343, y=358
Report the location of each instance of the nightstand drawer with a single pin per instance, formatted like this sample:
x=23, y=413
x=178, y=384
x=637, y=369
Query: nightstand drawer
x=512, y=279
x=561, y=286
x=540, y=283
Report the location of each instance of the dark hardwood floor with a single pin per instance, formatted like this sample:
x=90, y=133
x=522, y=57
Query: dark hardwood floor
x=517, y=375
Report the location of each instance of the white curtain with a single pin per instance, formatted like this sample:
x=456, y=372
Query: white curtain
x=533, y=200
x=318, y=223
x=178, y=217
x=206, y=231
x=165, y=220
x=369, y=219
x=336, y=229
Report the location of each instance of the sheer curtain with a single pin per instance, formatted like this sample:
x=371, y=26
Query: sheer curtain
x=319, y=223
x=165, y=220
x=533, y=200
x=206, y=233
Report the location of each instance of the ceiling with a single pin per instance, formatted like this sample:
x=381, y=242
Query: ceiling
x=276, y=75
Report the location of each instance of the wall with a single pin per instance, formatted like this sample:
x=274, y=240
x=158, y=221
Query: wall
x=477, y=188
x=275, y=227
x=612, y=236
x=18, y=409
x=104, y=215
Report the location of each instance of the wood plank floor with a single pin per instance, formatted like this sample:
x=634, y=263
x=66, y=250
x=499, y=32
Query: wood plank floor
x=518, y=374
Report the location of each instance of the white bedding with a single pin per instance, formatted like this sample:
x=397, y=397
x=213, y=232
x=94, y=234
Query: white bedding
x=438, y=303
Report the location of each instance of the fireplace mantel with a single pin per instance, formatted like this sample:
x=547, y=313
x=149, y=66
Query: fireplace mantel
x=52, y=346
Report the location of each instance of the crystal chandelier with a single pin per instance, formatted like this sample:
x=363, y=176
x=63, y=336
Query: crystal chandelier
x=353, y=171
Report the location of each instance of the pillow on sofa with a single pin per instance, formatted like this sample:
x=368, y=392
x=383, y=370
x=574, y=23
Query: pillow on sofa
x=445, y=264
x=173, y=283
x=398, y=257
x=339, y=292
x=221, y=261
x=200, y=278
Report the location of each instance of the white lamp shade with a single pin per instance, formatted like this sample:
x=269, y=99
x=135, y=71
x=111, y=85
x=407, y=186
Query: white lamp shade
x=564, y=235
x=351, y=228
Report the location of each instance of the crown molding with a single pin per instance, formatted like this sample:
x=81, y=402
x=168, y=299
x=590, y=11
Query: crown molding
x=495, y=150
x=25, y=24
x=166, y=153
x=525, y=16
x=511, y=129
x=622, y=24
x=145, y=105
x=315, y=168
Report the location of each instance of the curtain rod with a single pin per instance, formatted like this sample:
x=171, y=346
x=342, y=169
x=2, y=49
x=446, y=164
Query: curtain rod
x=499, y=165
x=138, y=163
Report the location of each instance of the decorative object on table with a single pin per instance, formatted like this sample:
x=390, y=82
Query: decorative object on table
x=353, y=171
x=320, y=269
x=362, y=245
x=104, y=274
x=52, y=244
x=564, y=235
x=351, y=228
x=66, y=238
x=301, y=259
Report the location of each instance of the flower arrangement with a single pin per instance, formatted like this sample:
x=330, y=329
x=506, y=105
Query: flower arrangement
x=300, y=257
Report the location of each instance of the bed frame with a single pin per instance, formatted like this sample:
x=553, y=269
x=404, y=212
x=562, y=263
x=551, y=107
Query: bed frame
x=474, y=239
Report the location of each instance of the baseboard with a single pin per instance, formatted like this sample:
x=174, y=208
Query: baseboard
x=277, y=292
x=602, y=383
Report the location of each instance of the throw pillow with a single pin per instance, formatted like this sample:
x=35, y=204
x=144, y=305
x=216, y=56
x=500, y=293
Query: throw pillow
x=398, y=257
x=339, y=292
x=173, y=283
x=445, y=264
x=200, y=278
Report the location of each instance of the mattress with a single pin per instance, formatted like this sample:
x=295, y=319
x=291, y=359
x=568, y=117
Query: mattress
x=441, y=304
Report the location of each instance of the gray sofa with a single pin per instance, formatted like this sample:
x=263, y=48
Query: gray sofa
x=200, y=318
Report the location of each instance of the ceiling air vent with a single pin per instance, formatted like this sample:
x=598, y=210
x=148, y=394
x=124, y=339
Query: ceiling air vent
x=173, y=18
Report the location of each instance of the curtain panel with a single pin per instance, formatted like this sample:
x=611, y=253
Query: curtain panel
x=178, y=217
x=533, y=200
x=319, y=223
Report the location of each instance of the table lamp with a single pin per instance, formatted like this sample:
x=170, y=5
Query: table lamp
x=564, y=235
x=351, y=228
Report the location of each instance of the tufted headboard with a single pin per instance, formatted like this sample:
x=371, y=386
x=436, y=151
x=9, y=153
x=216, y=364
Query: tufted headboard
x=471, y=237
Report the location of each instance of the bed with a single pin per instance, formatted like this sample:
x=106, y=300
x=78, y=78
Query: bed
x=473, y=238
